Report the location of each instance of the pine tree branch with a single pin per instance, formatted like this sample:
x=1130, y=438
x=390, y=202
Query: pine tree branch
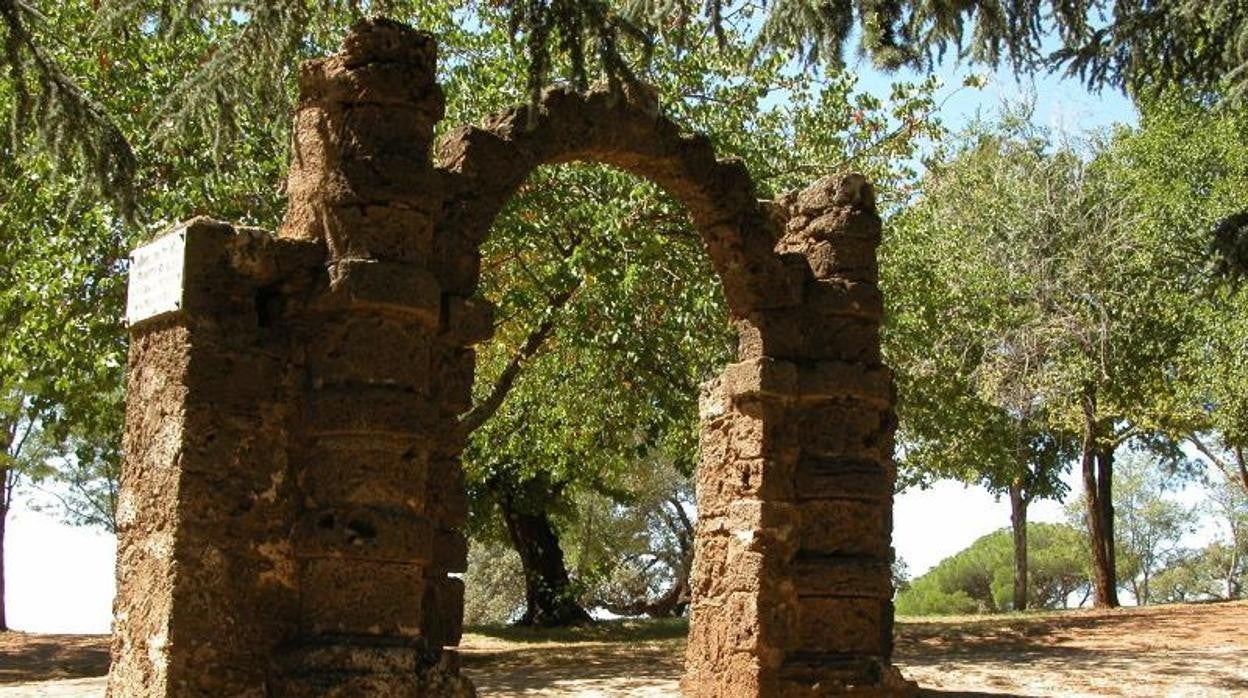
x=69, y=123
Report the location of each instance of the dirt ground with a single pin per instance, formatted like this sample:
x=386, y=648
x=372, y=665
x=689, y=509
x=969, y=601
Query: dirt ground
x=1195, y=650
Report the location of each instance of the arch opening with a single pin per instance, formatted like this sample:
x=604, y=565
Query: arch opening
x=605, y=294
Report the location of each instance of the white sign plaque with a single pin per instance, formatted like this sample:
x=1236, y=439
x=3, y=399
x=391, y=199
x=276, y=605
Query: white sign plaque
x=156, y=276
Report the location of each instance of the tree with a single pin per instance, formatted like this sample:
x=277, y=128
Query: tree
x=22, y=451
x=1185, y=169
x=1150, y=524
x=1035, y=302
x=494, y=591
x=1229, y=554
x=980, y=578
x=969, y=352
x=1200, y=575
x=635, y=552
x=1136, y=46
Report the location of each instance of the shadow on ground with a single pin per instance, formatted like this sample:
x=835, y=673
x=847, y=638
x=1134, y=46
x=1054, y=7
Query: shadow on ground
x=1194, y=650
x=25, y=657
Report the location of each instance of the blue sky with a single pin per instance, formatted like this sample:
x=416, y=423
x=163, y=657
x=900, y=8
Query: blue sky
x=1061, y=103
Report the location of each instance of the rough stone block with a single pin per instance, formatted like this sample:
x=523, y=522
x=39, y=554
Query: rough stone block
x=844, y=527
x=369, y=410
x=405, y=130
x=844, y=259
x=726, y=564
x=450, y=552
x=458, y=266
x=844, y=224
x=736, y=675
x=361, y=597
x=322, y=176
x=444, y=611
x=760, y=376
x=807, y=333
x=222, y=268
x=835, y=191
x=843, y=478
x=383, y=232
x=842, y=576
x=719, y=483
x=751, y=518
x=871, y=384
x=847, y=298
x=350, y=667
x=361, y=532
x=374, y=350
x=761, y=428
x=447, y=504
x=714, y=439
x=332, y=81
x=842, y=429
x=808, y=675
x=844, y=626
x=712, y=402
x=233, y=380
x=365, y=470
x=469, y=321
x=404, y=290
x=710, y=566
x=726, y=625
x=455, y=369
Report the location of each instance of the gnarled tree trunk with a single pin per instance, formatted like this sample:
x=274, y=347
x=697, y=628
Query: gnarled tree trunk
x=675, y=601
x=548, y=593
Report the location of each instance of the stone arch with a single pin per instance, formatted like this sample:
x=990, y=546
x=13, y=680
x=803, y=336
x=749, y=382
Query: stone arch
x=292, y=507
x=487, y=164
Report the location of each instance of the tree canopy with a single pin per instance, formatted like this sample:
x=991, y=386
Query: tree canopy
x=979, y=579
x=244, y=51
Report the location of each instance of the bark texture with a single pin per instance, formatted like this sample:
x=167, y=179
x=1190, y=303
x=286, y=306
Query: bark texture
x=4, y=520
x=550, y=600
x=1018, y=526
x=1097, y=466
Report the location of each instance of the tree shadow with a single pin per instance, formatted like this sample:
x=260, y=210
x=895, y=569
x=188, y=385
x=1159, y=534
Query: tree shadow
x=45, y=657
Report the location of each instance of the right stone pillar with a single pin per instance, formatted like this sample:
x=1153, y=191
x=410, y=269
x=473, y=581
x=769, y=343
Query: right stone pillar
x=791, y=579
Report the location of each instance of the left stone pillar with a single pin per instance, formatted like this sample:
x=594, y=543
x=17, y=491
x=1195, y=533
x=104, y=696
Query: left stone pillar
x=292, y=503
x=373, y=547
x=206, y=582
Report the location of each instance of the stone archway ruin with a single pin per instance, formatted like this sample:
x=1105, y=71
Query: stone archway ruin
x=293, y=499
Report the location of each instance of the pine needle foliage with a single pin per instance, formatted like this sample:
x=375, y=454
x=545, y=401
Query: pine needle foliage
x=575, y=28
x=255, y=45
x=63, y=118
x=244, y=74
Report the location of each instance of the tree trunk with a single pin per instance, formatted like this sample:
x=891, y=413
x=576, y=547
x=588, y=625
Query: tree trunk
x=1232, y=585
x=547, y=587
x=1018, y=522
x=675, y=601
x=10, y=448
x=4, y=518
x=1097, y=464
x=1243, y=467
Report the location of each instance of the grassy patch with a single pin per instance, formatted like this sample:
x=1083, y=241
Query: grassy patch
x=621, y=630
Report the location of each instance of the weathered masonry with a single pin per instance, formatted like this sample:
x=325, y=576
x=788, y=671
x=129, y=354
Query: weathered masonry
x=293, y=500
